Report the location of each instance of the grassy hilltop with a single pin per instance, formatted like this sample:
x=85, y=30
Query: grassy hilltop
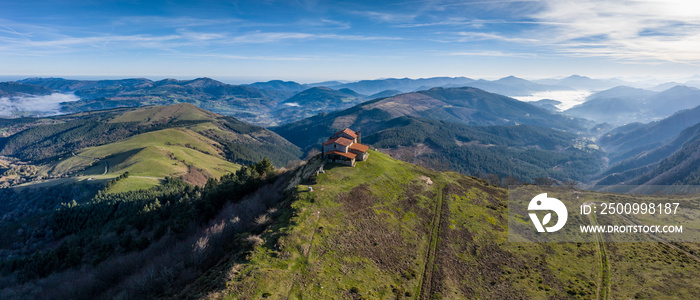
x=391, y=230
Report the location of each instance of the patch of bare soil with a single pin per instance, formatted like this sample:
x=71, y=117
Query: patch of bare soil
x=409, y=203
x=357, y=199
x=427, y=179
x=370, y=236
x=195, y=176
x=408, y=153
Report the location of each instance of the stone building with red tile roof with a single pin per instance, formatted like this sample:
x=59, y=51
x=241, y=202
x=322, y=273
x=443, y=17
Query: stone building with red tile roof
x=344, y=147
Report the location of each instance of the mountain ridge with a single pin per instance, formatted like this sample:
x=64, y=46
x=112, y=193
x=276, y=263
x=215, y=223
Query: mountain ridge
x=622, y=104
x=469, y=106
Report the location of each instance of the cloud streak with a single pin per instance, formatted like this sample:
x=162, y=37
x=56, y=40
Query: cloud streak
x=647, y=30
x=491, y=54
x=483, y=36
x=272, y=37
x=254, y=57
x=31, y=40
x=609, y=34
x=638, y=31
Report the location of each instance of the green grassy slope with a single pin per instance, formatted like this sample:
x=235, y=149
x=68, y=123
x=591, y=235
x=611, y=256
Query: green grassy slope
x=391, y=230
x=150, y=115
x=167, y=152
x=178, y=140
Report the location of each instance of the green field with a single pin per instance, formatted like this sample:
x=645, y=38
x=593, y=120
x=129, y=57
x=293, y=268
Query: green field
x=167, y=152
x=180, y=112
x=134, y=183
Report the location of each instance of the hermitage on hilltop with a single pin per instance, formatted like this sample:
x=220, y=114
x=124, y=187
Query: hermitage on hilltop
x=344, y=148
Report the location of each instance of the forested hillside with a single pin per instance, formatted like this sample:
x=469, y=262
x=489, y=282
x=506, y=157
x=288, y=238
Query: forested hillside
x=16, y=88
x=674, y=163
x=463, y=129
x=521, y=151
x=138, y=244
x=632, y=139
x=468, y=106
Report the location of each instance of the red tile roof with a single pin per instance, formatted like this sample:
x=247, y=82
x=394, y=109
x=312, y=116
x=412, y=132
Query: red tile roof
x=348, y=155
x=359, y=147
x=348, y=132
x=339, y=140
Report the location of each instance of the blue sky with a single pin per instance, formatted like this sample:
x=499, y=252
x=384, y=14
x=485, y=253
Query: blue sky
x=348, y=40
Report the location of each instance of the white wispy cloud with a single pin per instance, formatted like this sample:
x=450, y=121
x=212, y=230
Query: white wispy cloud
x=635, y=30
x=475, y=23
x=175, y=22
x=465, y=36
x=639, y=31
x=491, y=54
x=271, y=37
x=324, y=23
x=253, y=57
x=79, y=44
x=32, y=40
x=199, y=36
x=646, y=31
x=386, y=16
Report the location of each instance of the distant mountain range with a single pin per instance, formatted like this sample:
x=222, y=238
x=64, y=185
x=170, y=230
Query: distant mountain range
x=289, y=86
x=268, y=103
x=16, y=88
x=385, y=93
x=510, y=86
x=583, y=83
x=621, y=105
x=263, y=103
x=312, y=111
x=316, y=100
x=241, y=101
